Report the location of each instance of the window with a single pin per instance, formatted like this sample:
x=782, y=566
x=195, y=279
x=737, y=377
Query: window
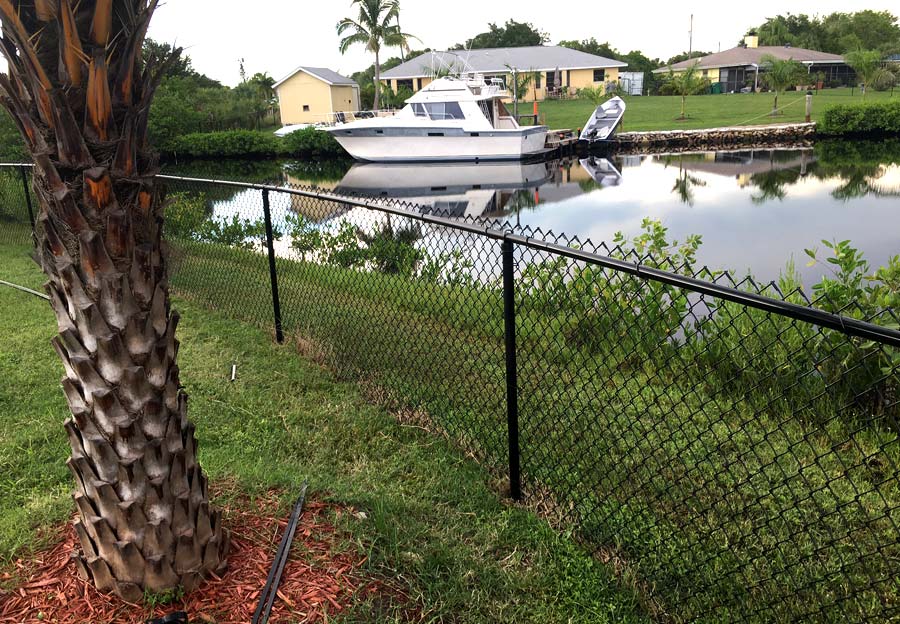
x=444, y=110
x=537, y=80
x=418, y=84
x=306, y=108
x=551, y=80
x=501, y=78
x=419, y=110
x=405, y=83
x=599, y=75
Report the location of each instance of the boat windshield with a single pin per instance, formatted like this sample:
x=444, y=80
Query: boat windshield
x=439, y=111
x=444, y=110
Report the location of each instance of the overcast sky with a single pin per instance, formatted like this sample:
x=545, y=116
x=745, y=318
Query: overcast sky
x=275, y=36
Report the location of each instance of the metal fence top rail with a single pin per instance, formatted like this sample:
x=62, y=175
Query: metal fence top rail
x=843, y=324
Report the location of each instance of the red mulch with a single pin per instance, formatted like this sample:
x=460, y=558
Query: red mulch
x=321, y=579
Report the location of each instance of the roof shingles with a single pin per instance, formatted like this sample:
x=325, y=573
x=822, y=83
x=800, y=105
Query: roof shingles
x=322, y=73
x=498, y=60
x=739, y=57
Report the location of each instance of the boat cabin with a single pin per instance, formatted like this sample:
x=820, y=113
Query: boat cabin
x=470, y=101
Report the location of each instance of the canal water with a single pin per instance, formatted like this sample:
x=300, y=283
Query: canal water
x=755, y=209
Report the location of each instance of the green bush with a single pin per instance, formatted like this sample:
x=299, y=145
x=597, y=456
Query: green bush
x=857, y=119
x=311, y=142
x=187, y=218
x=226, y=144
x=12, y=146
x=308, y=142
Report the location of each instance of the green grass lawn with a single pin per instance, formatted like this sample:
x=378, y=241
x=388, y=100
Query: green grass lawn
x=691, y=488
x=435, y=523
x=703, y=111
x=713, y=497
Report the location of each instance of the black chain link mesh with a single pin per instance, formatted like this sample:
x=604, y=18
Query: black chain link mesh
x=15, y=227
x=730, y=463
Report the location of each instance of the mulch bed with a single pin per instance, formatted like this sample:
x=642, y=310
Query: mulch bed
x=321, y=579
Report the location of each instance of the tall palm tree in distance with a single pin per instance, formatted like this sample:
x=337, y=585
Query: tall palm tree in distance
x=376, y=26
x=79, y=90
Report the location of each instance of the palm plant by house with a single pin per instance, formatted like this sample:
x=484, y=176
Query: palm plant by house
x=375, y=27
x=870, y=69
x=686, y=83
x=781, y=74
x=80, y=93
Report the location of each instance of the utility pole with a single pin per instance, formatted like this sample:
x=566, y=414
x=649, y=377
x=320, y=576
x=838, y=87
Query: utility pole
x=515, y=77
x=691, y=41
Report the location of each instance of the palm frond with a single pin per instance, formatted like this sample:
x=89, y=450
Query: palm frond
x=353, y=39
x=346, y=24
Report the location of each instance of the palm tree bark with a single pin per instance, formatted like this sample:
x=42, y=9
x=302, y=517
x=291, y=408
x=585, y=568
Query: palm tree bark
x=144, y=521
x=377, y=103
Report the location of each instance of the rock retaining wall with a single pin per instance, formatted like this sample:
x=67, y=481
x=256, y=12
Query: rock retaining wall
x=715, y=138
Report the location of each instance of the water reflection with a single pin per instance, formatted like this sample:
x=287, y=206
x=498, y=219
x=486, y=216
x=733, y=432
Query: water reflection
x=755, y=209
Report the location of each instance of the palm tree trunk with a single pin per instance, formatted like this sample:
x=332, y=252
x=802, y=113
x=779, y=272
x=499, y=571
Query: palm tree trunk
x=144, y=521
x=683, y=98
x=775, y=105
x=377, y=103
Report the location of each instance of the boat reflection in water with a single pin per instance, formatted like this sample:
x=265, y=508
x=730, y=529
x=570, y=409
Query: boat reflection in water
x=470, y=190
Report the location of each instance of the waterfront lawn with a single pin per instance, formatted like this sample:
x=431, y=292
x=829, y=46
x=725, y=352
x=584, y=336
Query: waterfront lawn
x=659, y=112
x=690, y=487
x=434, y=523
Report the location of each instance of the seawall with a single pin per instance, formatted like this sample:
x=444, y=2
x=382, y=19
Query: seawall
x=715, y=138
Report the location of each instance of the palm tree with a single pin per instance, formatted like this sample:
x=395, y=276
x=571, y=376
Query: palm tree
x=686, y=83
x=870, y=69
x=80, y=92
x=781, y=74
x=375, y=27
x=685, y=183
x=265, y=92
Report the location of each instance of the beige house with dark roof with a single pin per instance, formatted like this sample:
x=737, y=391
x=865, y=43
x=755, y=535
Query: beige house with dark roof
x=740, y=67
x=557, y=71
x=311, y=95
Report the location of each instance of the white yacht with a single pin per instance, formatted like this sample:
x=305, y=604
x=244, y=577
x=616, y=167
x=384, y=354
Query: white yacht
x=452, y=119
x=457, y=189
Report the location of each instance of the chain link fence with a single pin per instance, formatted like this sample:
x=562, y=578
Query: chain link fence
x=728, y=447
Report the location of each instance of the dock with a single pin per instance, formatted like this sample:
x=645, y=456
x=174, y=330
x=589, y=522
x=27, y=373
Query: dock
x=559, y=143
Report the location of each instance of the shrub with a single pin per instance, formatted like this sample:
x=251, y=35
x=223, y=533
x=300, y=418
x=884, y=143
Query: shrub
x=226, y=144
x=311, y=142
x=188, y=219
x=858, y=119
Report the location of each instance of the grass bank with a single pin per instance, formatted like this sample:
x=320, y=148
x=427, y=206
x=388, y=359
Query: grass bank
x=659, y=112
x=433, y=520
x=693, y=468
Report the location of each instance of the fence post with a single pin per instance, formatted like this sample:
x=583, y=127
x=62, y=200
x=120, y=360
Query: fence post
x=273, y=272
x=28, y=204
x=512, y=376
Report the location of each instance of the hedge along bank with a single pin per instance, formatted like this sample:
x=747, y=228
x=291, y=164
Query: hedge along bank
x=878, y=119
x=875, y=119
x=308, y=142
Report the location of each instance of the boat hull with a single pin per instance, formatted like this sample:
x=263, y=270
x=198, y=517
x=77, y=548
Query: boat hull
x=440, y=144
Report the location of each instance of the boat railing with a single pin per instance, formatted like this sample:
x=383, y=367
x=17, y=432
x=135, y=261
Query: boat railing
x=341, y=117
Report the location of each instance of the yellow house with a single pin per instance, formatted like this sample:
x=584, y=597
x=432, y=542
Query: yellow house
x=314, y=94
x=556, y=71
